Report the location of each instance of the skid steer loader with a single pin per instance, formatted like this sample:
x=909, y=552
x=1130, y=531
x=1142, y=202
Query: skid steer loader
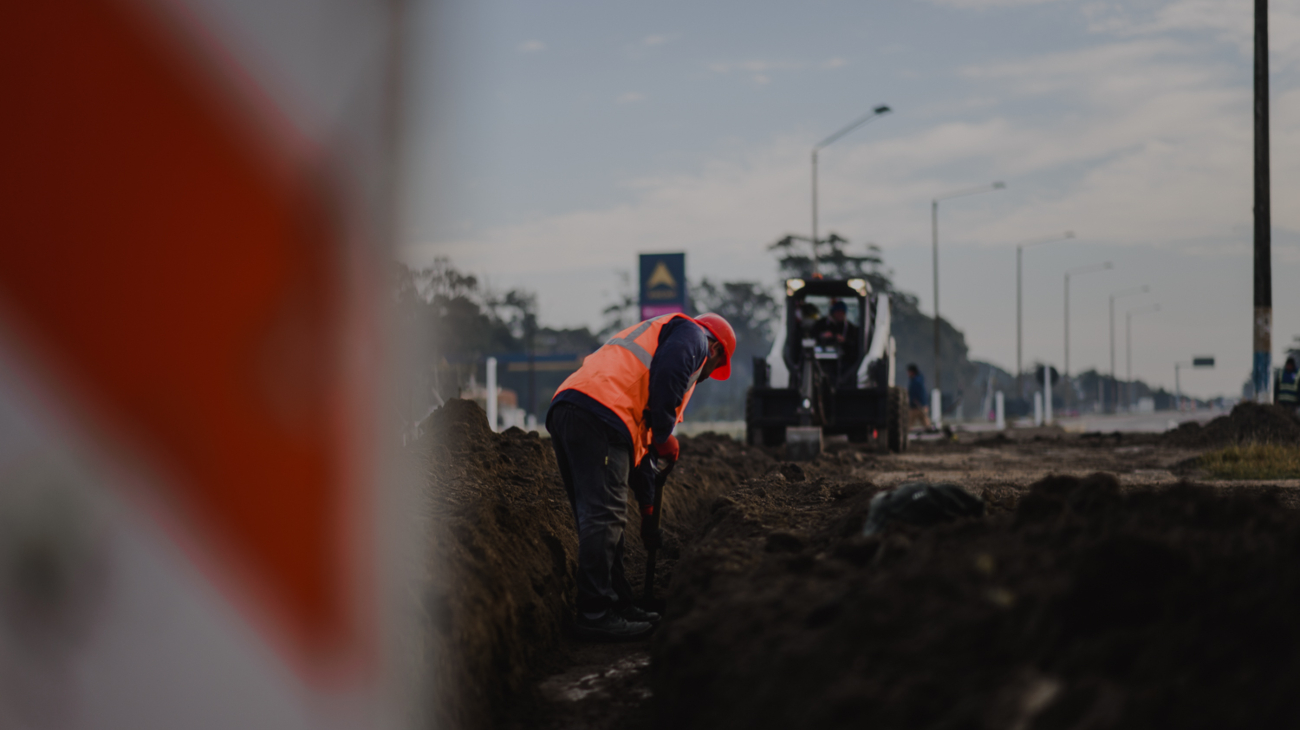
x=809, y=386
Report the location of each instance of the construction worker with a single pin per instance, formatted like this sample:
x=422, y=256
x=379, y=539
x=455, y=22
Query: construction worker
x=917, y=399
x=615, y=414
x=1288, y=386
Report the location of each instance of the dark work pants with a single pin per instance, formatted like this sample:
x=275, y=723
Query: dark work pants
x=594, y=461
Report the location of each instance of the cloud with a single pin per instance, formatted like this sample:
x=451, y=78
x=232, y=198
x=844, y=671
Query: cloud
x=630, y=97
x=754, y=66
x=835, y=63
x=651, y=41
x=1146, y=139
x=1157, y=137
x=531, y=46
x=1224, y=20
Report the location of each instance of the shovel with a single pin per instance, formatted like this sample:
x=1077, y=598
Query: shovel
x=648, y=600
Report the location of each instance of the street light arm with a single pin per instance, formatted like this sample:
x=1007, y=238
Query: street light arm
x=1144, y=310
x=877, y=112
x=972, y=191
x=1050, y=239
x=1089, y=269
x=1128, y=292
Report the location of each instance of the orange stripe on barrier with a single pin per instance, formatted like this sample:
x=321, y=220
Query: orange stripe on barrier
x=188, y=291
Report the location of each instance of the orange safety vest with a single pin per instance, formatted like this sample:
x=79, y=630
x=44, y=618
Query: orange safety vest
x=618, y=377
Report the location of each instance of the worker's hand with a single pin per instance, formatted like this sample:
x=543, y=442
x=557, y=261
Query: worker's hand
x=652, y=538
x=669, y=449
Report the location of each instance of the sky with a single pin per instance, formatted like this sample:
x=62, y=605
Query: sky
x=547, y=144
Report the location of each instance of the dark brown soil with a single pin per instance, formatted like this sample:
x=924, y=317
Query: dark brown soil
x=1076, y=605
x=1248, y=423
x=499, y=598
x=1077, y=602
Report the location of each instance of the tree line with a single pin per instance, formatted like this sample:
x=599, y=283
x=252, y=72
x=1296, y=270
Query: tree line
x=451, y=322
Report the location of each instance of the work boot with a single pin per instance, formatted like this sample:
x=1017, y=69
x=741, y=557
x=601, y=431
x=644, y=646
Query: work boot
x=610, y=626
x=632, y=613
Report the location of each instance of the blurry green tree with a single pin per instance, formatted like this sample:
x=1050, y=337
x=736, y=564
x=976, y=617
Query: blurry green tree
x=450, y=323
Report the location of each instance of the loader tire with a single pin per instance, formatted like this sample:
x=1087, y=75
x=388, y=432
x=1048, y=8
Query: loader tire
x=896, y=417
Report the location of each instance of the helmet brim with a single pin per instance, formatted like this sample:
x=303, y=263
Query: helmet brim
x=722, y=372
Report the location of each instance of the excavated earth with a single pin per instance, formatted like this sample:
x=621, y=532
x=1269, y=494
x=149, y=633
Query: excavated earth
x=498, y=596
x=1101, y=589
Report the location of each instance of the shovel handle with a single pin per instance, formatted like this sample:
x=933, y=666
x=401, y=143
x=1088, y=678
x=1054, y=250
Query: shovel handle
x=660, y=480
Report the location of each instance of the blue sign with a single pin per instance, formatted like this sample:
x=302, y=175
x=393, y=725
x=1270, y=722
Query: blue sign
x=663, y=284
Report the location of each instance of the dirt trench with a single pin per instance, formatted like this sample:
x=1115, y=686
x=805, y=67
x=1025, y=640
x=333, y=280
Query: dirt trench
x=497, y=598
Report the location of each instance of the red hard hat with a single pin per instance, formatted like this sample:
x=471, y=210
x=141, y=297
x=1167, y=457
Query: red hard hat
x=722, y=332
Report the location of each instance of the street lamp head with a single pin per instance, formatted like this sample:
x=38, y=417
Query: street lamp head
x=882, y=109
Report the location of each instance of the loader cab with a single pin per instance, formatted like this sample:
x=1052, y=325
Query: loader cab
x=838, y=347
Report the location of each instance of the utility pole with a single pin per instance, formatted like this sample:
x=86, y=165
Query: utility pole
x=934, y=231
x=1114, y=383
x=1020, y=249
x=1128, y=348
x=1263, y=223
x=1074, y=272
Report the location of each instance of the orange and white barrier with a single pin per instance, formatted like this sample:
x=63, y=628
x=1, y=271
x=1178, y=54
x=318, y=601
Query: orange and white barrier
x=193, y=232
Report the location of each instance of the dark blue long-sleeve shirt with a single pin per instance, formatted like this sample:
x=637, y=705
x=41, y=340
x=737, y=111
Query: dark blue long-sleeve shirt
x=916, y=395
x=683, y=348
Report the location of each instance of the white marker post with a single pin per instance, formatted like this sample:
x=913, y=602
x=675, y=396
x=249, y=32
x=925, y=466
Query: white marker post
x=936, y=407
x=492, y=393
x=1000, y=408
x=1047, y=394
x=1038, y=408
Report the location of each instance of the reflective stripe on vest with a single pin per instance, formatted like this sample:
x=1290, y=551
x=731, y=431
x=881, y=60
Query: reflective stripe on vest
x=1289, y=392
x=618, y=377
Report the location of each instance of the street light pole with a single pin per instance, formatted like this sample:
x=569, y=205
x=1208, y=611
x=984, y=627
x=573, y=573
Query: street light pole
x=1020, y=249
x=934, y=229
x=878, y=111
x=1075, y=272
x=1114, y=391
x=1263, y=326
x=1128, y=346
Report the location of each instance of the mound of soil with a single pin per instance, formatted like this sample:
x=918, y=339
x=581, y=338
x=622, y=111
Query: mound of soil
x=504, y=548
x=1075, y=605
x=1248, y=423
x=500, y=591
